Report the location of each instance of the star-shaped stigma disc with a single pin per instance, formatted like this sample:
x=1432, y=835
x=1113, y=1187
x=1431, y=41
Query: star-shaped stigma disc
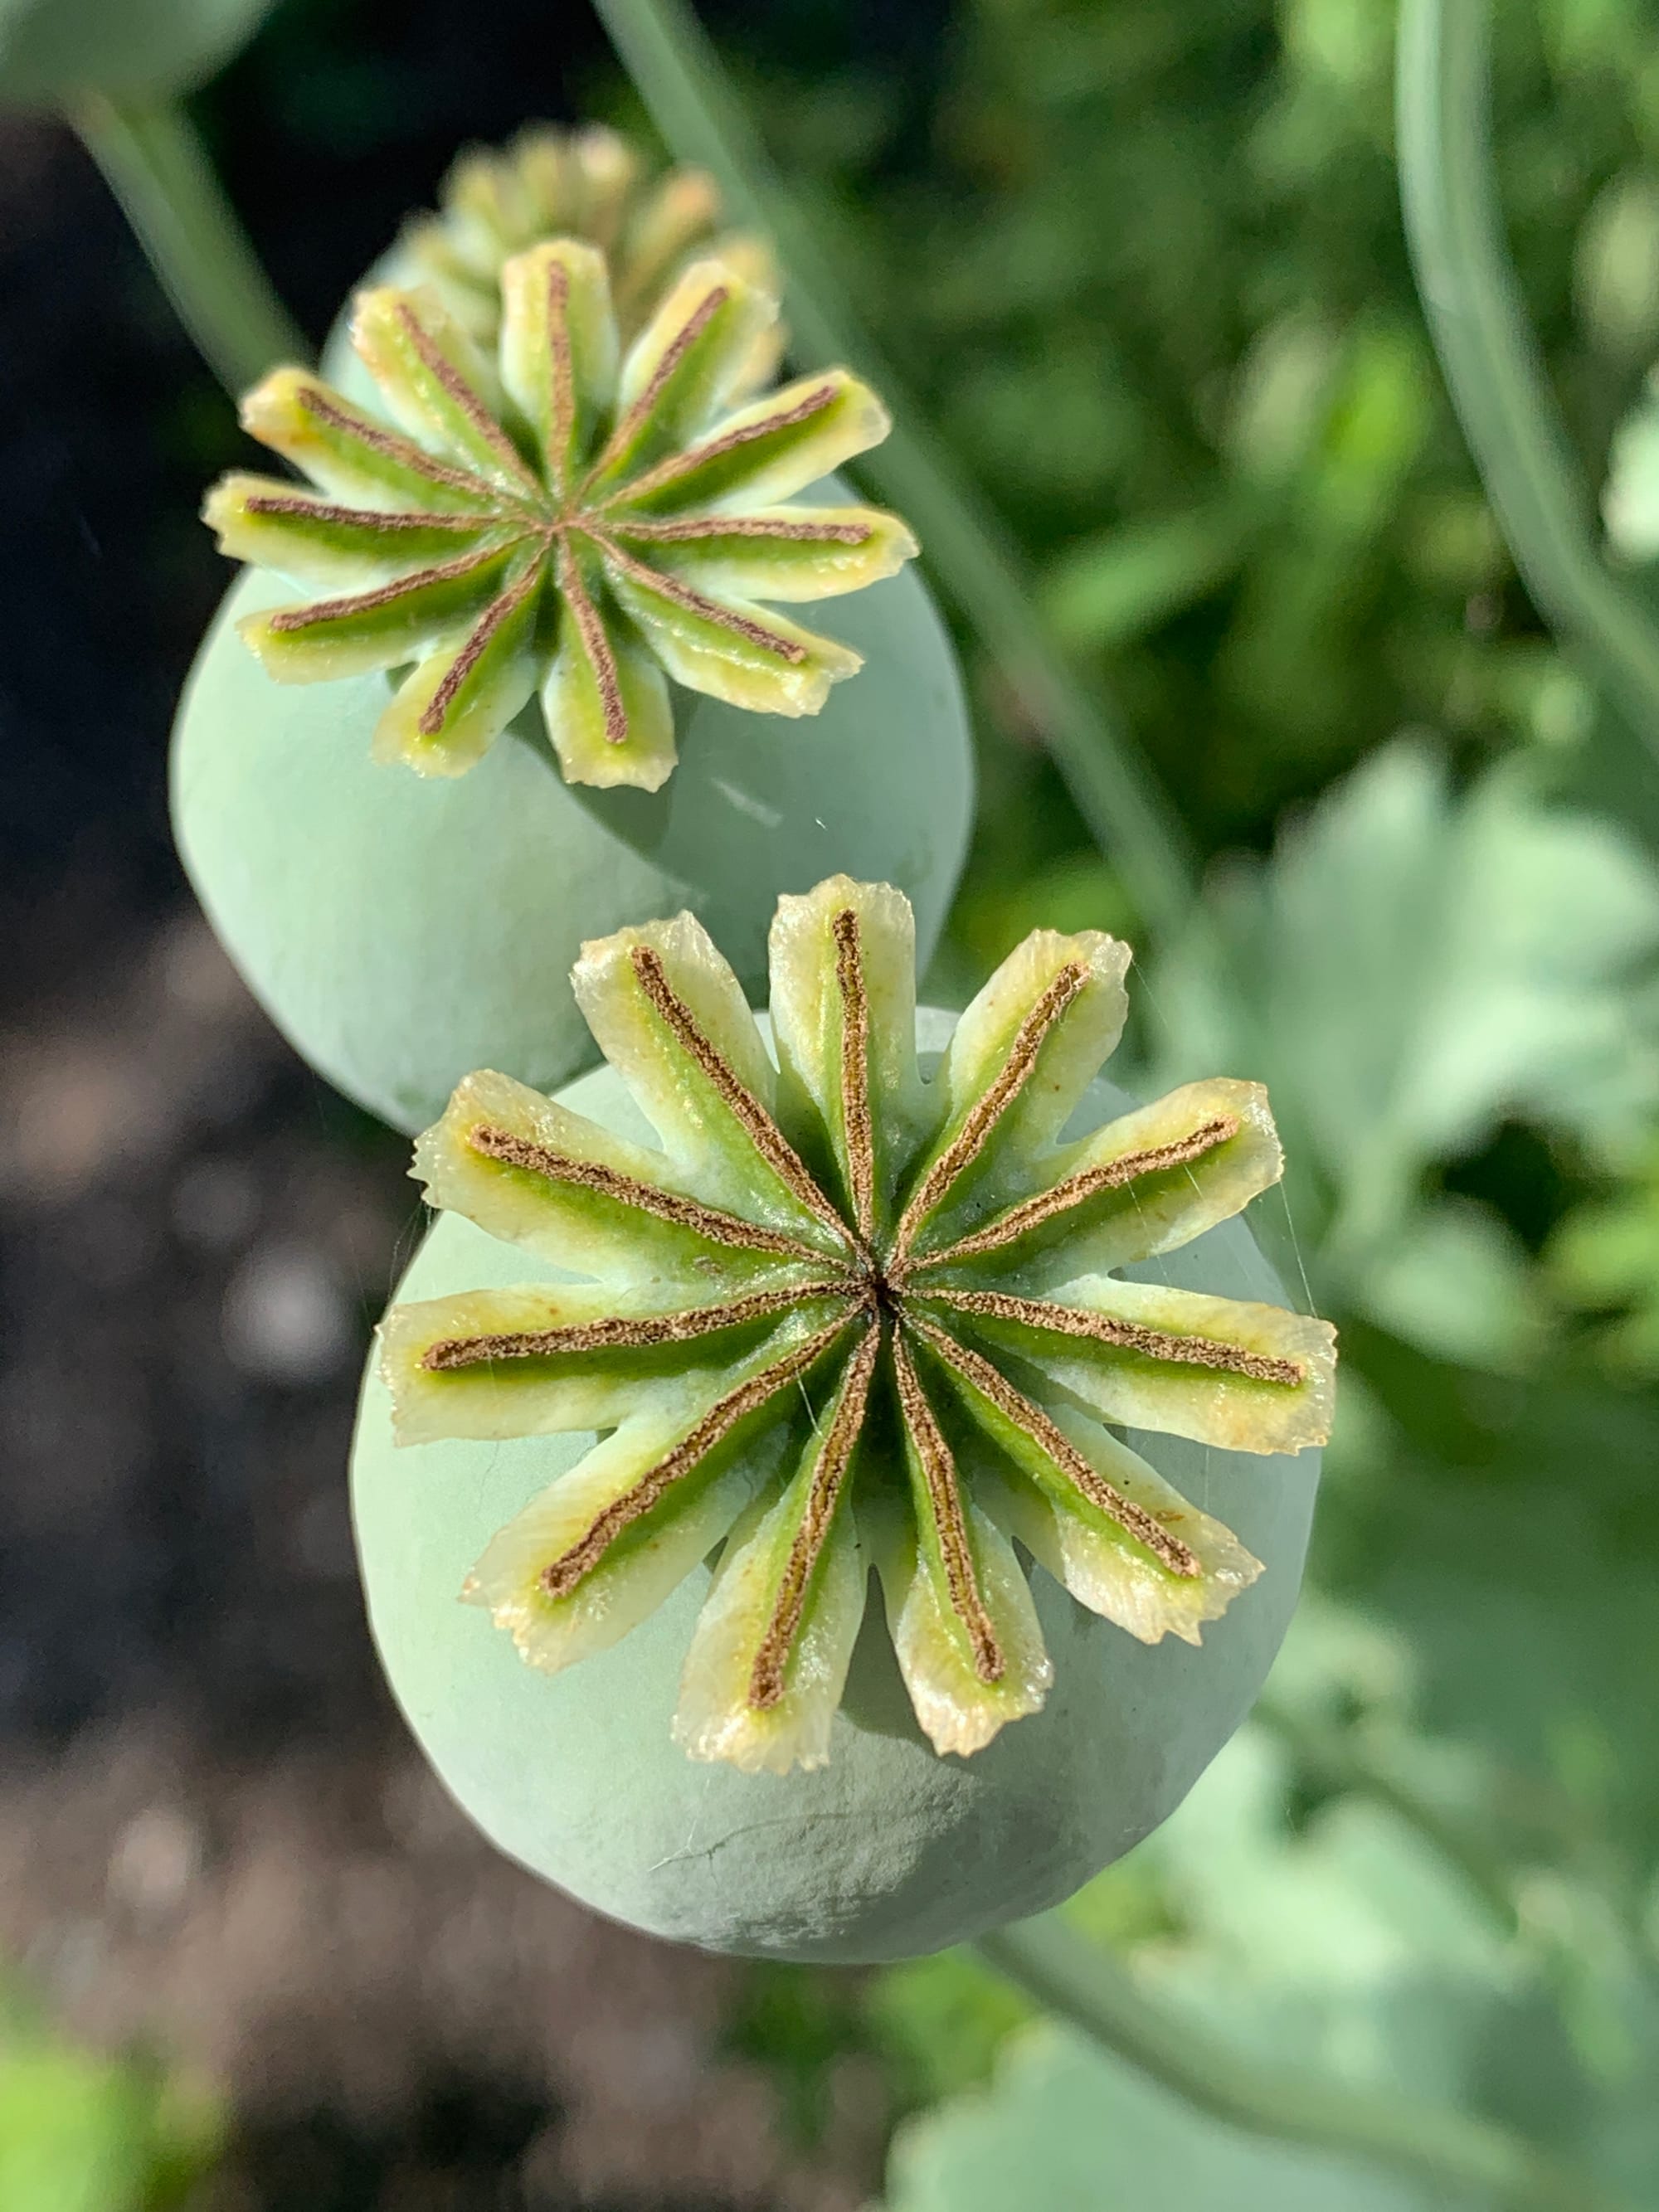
x=580, y=523
x=844, y=1317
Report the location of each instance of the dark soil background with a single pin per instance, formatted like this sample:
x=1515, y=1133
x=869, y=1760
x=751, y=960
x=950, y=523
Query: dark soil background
x=214, y=1834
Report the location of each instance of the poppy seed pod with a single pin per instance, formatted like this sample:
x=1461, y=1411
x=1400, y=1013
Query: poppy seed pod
x=983, y=1339
x=402, y=928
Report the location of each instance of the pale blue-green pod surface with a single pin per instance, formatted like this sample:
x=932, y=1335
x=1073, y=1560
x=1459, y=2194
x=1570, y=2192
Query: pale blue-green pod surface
x=889, y=1851
x=402, y=932
x=53, y=51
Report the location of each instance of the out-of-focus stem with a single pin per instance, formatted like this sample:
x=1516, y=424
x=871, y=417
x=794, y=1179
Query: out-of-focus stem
x=1341, y=1762
x=1491, y=364
x=679, y=76
x=159, y=170
x=1462, y=2157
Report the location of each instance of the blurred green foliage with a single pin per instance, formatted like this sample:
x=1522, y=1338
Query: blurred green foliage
x=1605, y=1260
x=81, y=2133
x=1145, y=267
x=1411, y=970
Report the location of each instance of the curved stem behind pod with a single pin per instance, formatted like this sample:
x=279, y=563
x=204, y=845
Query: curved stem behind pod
x=1473, y=306
x=1465, y=2157
x=679, y=76
x=159, y=170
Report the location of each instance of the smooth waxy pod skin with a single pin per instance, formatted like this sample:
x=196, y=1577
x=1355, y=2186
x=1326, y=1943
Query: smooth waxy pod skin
x=54, y=50
x=847, y=1319
x=401, y=931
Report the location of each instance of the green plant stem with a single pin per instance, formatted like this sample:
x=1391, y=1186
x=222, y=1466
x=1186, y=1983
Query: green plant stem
x=1342, y=1761
x=1456, y=2154
x=1455, y=229
x=680, y=78
x=159, y=170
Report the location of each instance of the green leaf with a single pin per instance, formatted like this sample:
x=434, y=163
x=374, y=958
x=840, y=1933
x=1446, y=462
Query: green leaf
x=1412, y=968
x=1539, y=1654
x=1454, y=1280
x=941, y=2022
x=1618, y=247
x=1605, y=1259
x=1065, y=2130
x=1106, y=592
x=1340, y=1970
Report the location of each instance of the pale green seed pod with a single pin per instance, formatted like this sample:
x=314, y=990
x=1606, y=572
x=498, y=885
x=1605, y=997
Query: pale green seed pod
x=402, y=932
x=53, y=52
x=903, y=1358
x=403, y=929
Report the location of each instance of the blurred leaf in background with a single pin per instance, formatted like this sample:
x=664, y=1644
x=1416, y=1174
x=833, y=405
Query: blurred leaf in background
x=1413, y=969
x=1604, y=1261
x=1062, y=2131
x=1144, y=267
x=83, y=2133
x=1147, y=273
